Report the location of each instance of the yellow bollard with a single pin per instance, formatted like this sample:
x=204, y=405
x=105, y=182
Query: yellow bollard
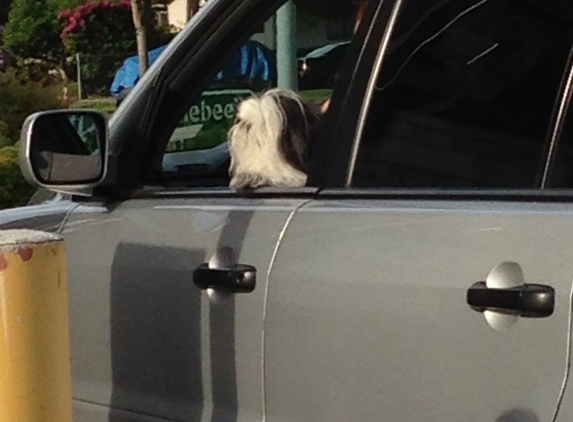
x=35, y=374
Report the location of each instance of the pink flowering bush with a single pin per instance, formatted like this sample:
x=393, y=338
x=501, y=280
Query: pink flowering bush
x=102, y=32
x=98, y=27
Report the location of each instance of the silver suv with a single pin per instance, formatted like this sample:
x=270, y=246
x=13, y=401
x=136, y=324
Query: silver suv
x=424, y=274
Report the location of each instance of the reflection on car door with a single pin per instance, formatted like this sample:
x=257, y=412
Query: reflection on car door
x=147, y=344
x=368, y=316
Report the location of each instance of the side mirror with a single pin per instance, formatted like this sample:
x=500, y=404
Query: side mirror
x=65, y=150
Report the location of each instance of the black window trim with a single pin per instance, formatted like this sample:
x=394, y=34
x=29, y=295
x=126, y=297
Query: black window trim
x=371, y=89
x=499, y=195
x=224, y=192
x=561, y=120
x=330, y=164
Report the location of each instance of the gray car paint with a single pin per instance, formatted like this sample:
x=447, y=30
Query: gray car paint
x=367, y=316
x=48, y=216
x=366, y=312
x=147, y=345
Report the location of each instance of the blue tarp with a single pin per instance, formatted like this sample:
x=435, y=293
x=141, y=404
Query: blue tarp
x=253, y=60
x=128, y=74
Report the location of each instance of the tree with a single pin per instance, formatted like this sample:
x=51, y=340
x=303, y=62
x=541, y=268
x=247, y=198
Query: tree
x=14, y=190
x=99, y=26
x=141, y=12
x=33, y=30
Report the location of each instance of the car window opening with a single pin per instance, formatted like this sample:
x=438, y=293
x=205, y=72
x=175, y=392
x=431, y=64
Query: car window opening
x=198, y=151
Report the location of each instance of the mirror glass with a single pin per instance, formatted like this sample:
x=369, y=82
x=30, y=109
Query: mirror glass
x=68, y=147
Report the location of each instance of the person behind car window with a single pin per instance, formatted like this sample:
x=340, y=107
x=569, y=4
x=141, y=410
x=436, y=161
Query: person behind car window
x=359, y=15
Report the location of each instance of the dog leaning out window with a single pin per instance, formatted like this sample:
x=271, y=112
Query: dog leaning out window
x=270, y=140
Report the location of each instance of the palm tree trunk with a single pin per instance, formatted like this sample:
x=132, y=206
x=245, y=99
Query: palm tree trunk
x=139, y=11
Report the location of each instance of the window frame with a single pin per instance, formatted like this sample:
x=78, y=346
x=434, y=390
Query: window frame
x=141, y=129
x=561, y=124
x=330, y=164
x=563, y=128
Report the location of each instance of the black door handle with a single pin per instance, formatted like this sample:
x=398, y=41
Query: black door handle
x=239, y=279
x=528, y=301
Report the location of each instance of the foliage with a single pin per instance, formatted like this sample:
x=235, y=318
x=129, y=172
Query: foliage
x=18, y=100
x=317, y=96
x=207, y=138
x=3, y=55
x=33, y=29
x=14, y=190
x=4, y=140
x=103, y=105
x=100, y=26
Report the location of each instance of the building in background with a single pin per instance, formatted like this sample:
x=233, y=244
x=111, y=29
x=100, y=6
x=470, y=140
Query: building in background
x=312, y=32
x=173, y=12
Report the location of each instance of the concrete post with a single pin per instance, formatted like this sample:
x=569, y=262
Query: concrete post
x=35, y=373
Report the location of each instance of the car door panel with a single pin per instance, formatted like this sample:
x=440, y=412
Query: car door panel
x=146, y=342
x=367, y=314
x=48, y=216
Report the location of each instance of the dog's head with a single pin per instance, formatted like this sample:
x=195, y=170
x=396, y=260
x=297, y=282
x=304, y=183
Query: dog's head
x=271, y=139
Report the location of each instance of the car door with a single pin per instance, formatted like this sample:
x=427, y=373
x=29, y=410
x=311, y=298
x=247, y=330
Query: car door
x=373, y=310
x=147, y=343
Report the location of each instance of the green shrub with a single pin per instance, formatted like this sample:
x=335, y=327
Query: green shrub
x=33, y=29
x=4, y=140
x=14, y=190
x=19, y=99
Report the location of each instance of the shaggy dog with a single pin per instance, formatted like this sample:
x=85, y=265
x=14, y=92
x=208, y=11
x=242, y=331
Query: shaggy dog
x=270, y=141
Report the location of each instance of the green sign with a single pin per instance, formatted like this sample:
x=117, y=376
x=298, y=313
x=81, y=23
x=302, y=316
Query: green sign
x=207, y=123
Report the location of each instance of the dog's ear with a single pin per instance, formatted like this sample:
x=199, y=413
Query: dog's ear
x=299, y=129
x=314, y=117
x=295, y=150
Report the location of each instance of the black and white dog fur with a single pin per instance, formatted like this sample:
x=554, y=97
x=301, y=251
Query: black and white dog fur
x=271, y=139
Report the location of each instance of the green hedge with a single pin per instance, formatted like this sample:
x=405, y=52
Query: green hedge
x=14, y=190
x=18, y=99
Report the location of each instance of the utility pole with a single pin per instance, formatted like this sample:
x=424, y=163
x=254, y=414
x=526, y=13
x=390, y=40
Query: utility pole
x=287, y=61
